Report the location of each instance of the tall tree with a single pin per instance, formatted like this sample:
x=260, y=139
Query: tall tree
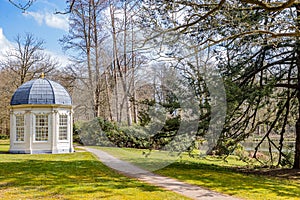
x=27, y=59
x=258, y=46
x=124, y=64
x=24, y=61
x=85, y=37
x=102, y=32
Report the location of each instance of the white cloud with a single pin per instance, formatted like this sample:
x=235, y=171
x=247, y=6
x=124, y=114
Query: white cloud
x=57, y=21
x=61, y=58
x=4, y=43
x=49, y=19
x=38, y=17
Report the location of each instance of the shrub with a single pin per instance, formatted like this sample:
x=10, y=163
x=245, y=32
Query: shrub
x=154, y=135
x=4, y=137
x=93, y=132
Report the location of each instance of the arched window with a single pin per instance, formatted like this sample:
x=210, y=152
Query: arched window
x=41, y=127
x=20, y=128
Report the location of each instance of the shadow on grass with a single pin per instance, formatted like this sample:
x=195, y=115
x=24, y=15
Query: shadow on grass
x=231, y=182
x=4, y=148
x=44, y=178
x=291, y=174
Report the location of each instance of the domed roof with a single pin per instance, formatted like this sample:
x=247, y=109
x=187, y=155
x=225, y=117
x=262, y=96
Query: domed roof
x=41, y=91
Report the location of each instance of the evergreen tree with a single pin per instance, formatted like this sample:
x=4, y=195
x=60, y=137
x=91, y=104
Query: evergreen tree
x=257, y=43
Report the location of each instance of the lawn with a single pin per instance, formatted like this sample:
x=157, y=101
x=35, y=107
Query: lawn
x=215, y=174
x=4, y=146
x=68, y=176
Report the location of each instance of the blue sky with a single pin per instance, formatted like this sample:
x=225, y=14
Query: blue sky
x=39, y=20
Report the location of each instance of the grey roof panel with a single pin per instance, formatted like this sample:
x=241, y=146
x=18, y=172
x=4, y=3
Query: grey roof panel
x=41, y=91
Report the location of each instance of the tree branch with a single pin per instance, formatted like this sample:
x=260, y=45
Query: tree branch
x=286, y=85
x=72, y=2
x=268, y=6
x=22, y=7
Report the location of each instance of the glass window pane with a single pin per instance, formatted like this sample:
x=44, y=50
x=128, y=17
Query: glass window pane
x=19, y=127
x=41, y=127
x=63, y=127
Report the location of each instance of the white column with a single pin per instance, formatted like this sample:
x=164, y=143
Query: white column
x=28, y=130
x=54, y=131
x=12, y=129
x=70, y=131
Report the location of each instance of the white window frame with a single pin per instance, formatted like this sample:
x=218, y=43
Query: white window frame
x=63, y=126
x=19, y=127
x=42, y=125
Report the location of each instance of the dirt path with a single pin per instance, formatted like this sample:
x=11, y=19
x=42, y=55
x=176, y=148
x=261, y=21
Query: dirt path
x=185, y=189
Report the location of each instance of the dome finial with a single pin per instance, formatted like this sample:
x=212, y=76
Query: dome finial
x=42, y=75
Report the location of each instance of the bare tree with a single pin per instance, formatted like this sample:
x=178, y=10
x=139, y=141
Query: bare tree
x=21, y=63
x=27, y=59
x=86, y=36
x=125, y=61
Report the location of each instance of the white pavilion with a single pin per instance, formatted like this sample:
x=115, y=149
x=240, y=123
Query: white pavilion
x=41, y=118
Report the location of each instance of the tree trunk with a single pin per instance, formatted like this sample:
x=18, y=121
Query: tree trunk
x=126, y=85
x=97, y=58
x=87, y=40
x=128, y=111
x=118, y=115
x=297, y=143
x=115, y=62
x=108, y=96
x=135, y=111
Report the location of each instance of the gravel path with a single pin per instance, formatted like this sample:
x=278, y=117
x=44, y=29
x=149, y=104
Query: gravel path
x=185, y=189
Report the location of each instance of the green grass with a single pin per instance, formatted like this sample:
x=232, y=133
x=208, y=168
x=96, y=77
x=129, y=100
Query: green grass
x=156, y=158
x=68, y=176
x=4, y=147
x=141, y=158
x=215, y=174
x=230, y=182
